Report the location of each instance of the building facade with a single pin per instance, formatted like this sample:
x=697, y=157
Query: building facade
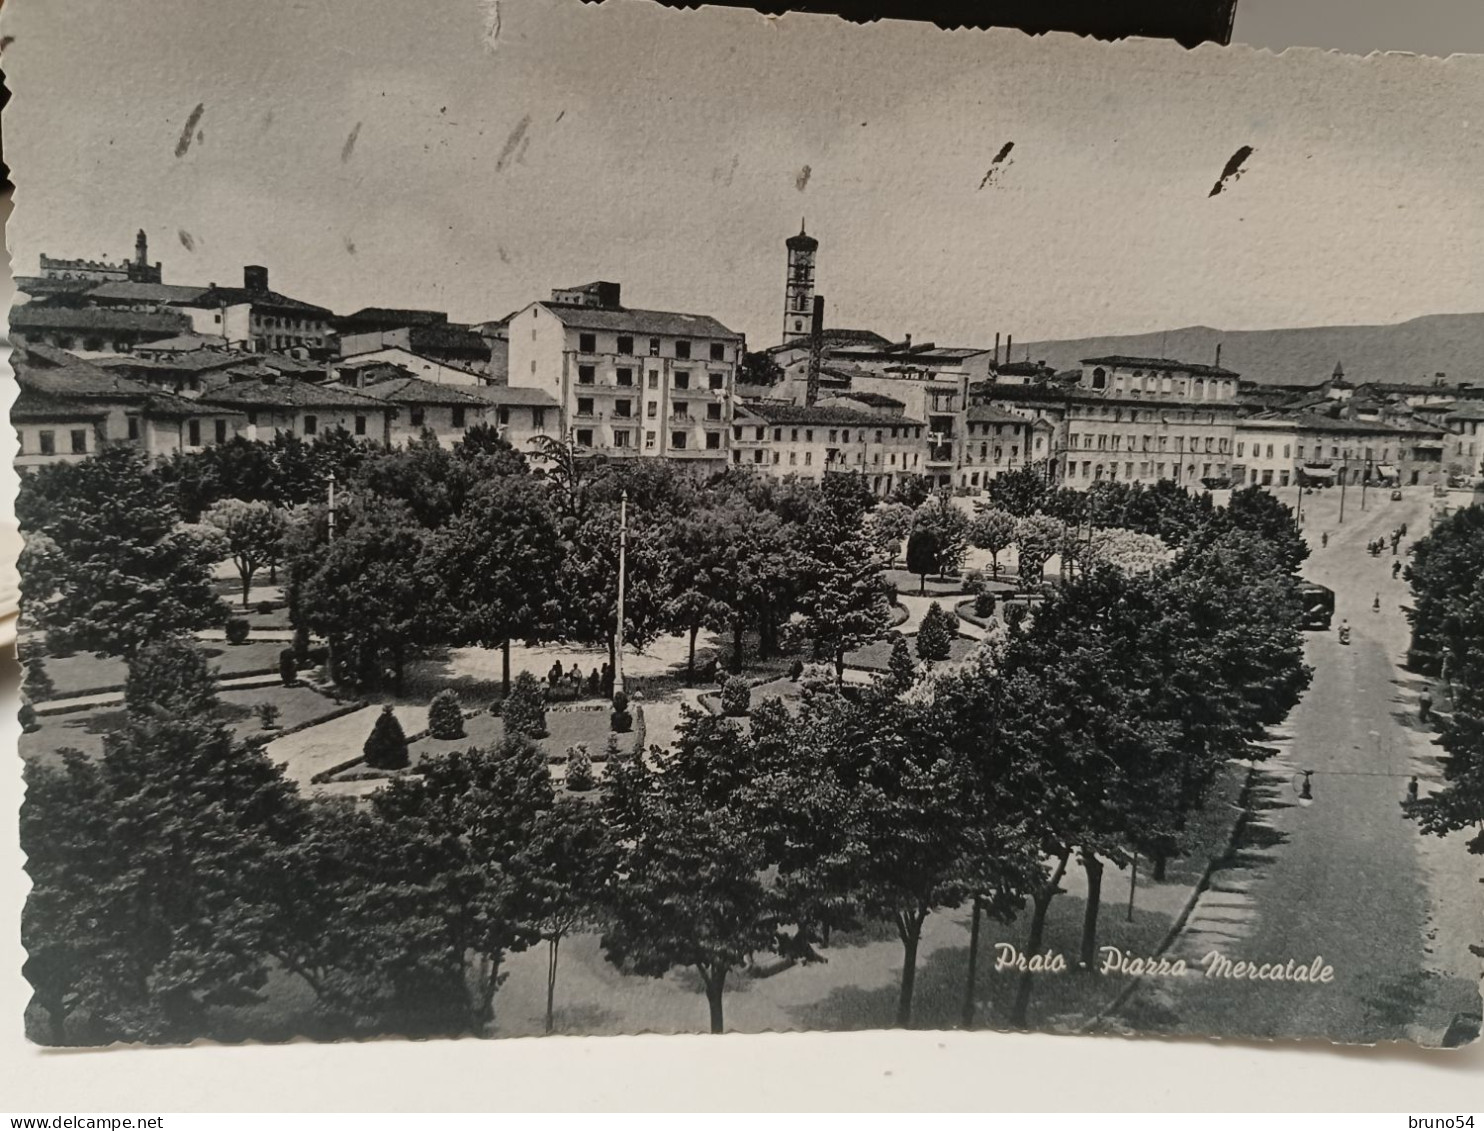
x=630, y=383
x=780, y=439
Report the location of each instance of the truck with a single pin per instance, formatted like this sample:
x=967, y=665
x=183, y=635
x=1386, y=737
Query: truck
x=1319, y=605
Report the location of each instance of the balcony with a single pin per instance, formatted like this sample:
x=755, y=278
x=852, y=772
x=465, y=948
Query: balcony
x=939, y=455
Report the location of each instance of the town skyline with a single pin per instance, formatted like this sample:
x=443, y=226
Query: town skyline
x=1102, y=207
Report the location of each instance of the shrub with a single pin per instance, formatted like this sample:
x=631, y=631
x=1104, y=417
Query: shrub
x=524, y=710
x=27, y=717
x=817, y=676
x=39, y=686
x=795, y=670
x=236, y=630
x=579, y=768
x=984, y=603
x=288, y=668
x=1015, y=614
x=610, y=751
x=263, y=608
x=902, y=667
x=386, y=746
x=445, y=719
x=934, y=637
x=973, y=581
x=267, y=715
x=736, y=697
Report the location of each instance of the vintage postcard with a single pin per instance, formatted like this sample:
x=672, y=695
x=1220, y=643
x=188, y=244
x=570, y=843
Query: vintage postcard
x=588, y=519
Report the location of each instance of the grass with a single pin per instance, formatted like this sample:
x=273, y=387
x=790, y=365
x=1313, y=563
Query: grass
x=84, y=730
x=876, y=656
x=909, y=584
x=86, y=674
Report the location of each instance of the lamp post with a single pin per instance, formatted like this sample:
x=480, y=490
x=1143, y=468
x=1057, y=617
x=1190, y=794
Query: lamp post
x=1344, y=475
x=330, y=637
x=623, y=549
x=1365, y=482
x=1298, y=480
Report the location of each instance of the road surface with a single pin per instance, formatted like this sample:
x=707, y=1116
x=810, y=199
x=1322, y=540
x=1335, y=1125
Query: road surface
x=1346, y=879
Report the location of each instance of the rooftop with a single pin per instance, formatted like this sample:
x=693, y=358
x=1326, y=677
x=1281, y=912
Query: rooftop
x=35, y=405
x=283, y=392
x=626, y=320
x=874, y=400
x=512, y=395
x=989, y=414
x=410, y=390
x=781, y=412
x=34, y=316
x=164, y=293
x=391, y=316
x=1164, y=364
x=1466, y=410
x=270, y=300
x=455, y=338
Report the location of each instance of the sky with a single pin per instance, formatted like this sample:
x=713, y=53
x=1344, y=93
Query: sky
x=390, y=154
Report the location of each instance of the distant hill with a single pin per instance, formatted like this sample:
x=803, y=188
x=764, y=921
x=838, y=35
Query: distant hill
x=1411, y=352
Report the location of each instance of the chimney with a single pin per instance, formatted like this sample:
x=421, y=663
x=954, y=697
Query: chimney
x=1009, y=345
x=908, y=340
x=816, y=351
x=1218, y=355
x=255, y=279
x=997, y=349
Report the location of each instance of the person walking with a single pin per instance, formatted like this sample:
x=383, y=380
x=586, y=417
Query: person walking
x=1412, y=792
x=1376, y=604
x=1324, y=539
x=1424, y=706
x=1396, y=569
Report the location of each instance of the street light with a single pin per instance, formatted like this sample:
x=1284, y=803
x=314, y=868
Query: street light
x=623, y=547
x=1306, y=791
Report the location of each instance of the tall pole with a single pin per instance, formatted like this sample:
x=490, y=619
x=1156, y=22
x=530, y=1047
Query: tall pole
x=1365, y=482
x=1344, y=475
x=1298, y=480
x=623, y=553
x=330, y=637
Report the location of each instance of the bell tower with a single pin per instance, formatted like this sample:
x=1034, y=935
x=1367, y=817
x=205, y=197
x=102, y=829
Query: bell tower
x=798, y=291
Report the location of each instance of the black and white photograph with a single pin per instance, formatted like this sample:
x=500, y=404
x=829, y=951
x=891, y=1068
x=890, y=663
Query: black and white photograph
x=561, y=519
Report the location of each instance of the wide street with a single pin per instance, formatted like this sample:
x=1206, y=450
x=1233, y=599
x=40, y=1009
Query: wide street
x=1347, y=877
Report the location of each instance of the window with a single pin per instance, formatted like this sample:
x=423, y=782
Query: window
x=416, y=417
x=586, y=374
x=1287, y=449
x=587, y=343
x=623, y=409
x=134, y=427
x=311, y=425
x=761, y=432
x=834, y=435
x=846, y=437
x=808, y=458
x=649, y=439
x=717, y=380
x=360, y=426
x=713, y=412
x=502, y=414
x=652, y=409
x=584, y=406
x=221, y=431
x=793, y=459
x=713, y=440
x=48, y=443
x=682, y=349
x=682, y=379
x=794, y=435
x=757, y=456
x=193, y=432
x=621, y=438
x=809, y=435
x=80, y=441
x=677, y=440
x=458, y=416
x=625, y=377
x=680, y=410
x=654, y=378
x=585, y=437
x=775, y=457
x=538, y=418
x=1240, y=446
x=654, y=347
x=718, y=351
x=626, y=345
x=777, y=435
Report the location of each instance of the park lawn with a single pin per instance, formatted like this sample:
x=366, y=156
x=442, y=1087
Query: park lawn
x=84, y=730
x=565, y=728
x=786, y=690
x=86, y=674
x=911, y=585
x=876, y=656
x=481, y=729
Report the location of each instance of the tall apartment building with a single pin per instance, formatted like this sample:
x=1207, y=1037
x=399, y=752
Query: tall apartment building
x=629, y=383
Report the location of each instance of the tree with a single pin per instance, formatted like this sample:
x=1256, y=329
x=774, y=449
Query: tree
x=386, y=746
x=691, y=891
x=1036, y=538
x=1260, y=512
x=524, y=710
x=465, y=821
x=901, y=668
x=759, y=368
x=154, y=874
x=567, y=869
x=445, y=719
x=887, y=526
x=170, y=678
x=934, y=638
x=373, y=593
x=1020, y=492
x=106, y=566
x=253, y=533
x=39, y=686
x=483, y=445
x=497, y=563
x=950, y=530
x=1125, y=550
x=993, y=530
x=579, y=769
x=922, y=555
x=846, y=600
x=1442, y=573
x=736, y=696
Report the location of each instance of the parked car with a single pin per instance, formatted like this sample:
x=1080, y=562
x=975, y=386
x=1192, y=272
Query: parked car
x=1319, y=605
x=1396, y=494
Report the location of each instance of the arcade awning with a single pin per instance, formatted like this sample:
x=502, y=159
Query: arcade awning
x=1317, y=472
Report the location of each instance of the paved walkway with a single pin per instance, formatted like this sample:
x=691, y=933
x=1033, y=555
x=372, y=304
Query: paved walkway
x=318, y=748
